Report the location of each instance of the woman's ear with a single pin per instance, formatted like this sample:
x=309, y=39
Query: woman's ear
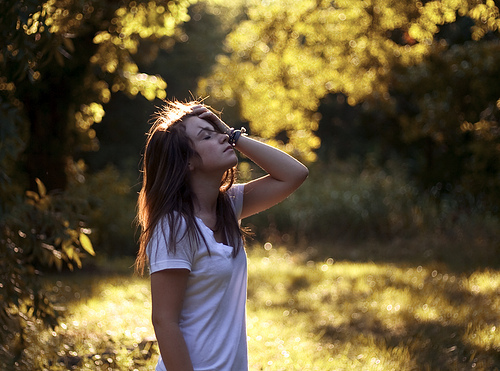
x=194, y=162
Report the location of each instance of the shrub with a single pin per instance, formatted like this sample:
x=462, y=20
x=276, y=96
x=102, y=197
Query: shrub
x=39, y=232
x=346, y=201
x=111, y=210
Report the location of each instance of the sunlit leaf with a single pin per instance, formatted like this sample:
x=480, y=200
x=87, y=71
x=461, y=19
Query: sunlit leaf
x=86, y=244
x=77, y=260
x=33, y=195
x=41, y=188
x=69, y=250
x=58, y=263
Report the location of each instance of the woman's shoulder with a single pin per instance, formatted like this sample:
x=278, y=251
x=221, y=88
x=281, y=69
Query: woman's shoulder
x=170, y=229
x=171, y=240
x=173, y=221
x=235, y=194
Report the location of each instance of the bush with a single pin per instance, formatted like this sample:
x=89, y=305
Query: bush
x=111, y=209
x=348, y=202
x=40, y=232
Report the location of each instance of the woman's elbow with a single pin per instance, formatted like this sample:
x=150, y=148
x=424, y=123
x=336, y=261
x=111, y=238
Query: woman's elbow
x=297, y=177
x=160, y=320
x=301, y=174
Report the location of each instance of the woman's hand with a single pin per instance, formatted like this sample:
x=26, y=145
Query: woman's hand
x=206, y=114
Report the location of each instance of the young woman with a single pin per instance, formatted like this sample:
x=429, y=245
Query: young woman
x=189, y=210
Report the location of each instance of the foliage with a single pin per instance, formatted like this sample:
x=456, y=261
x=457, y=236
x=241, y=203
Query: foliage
x=347, y=201
x=452, y=127
x=356, y=202
x=12, y=143
x=111, y=209
x=284, y=59
x=62, y=60
x=42, y=232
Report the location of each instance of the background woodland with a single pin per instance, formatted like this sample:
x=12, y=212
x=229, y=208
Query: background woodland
x=393, y=105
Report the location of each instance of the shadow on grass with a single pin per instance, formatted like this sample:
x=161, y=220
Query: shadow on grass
x=443, y=318
x=458, y=252
x=443, y=343
x=105, y=320
x=67, y=287
x=368, y=301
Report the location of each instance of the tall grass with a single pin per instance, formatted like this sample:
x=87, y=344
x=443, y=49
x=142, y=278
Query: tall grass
x=106, y=325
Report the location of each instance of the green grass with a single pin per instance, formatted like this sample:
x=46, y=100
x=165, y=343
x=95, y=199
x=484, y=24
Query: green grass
x=106, y=324
x=306, y=311
x=365, y=316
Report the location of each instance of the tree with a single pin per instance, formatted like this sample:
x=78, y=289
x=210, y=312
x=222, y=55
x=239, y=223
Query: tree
x=60, y=62
x=288, y=55
x=44, y=231
x=452, y=126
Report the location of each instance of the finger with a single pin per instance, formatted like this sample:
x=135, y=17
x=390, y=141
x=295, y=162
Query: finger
x=199, y=110
x=207, y=115
x=214, y=120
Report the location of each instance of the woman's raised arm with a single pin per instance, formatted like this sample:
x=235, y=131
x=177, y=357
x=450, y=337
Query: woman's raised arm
x=284, y=175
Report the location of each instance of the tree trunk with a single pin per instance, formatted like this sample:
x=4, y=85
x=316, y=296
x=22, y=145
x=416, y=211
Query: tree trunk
x=48, y=149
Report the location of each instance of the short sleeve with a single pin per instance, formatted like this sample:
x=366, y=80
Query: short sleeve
x=236, y=196
x=159, y=256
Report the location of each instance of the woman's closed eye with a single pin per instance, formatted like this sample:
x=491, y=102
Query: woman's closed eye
x=209, y=134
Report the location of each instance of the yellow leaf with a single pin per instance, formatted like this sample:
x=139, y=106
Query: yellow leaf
x=58, y=262
x=42, y=191
x=86, y=244
x=77, y=260
x=66, y=244
x=33, y=195
x=68, y=43
x=69, y=250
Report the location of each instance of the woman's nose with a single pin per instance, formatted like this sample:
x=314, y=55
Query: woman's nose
x=223, y=138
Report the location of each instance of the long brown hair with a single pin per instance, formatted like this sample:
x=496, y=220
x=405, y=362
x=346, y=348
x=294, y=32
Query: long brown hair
x=166, y=192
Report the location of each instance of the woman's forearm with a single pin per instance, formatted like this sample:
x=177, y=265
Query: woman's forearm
x=278, y=164
x=173, y=349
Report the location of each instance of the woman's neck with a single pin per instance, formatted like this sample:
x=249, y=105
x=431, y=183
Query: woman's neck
x=205, y=208
x=206, y=192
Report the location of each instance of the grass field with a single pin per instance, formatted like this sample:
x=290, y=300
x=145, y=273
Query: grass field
x=371, y=307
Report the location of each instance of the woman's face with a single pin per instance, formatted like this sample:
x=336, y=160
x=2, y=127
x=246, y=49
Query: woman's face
x=216, y=154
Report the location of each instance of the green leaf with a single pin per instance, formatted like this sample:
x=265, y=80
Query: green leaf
x=86, y=244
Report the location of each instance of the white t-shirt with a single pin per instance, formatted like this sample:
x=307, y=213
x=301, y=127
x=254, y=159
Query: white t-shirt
x=213, y=315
